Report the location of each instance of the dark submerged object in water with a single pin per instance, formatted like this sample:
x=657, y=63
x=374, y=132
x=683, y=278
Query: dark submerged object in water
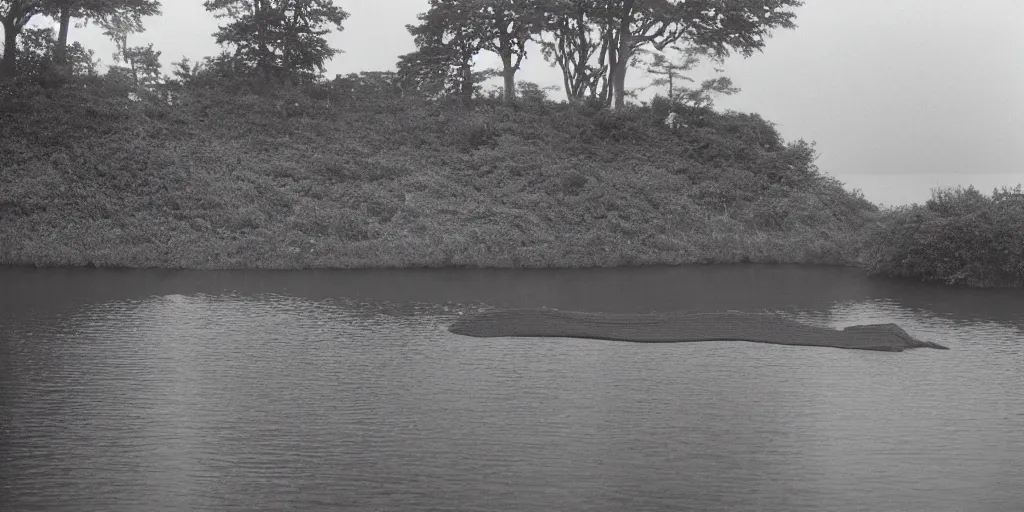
x=683, y=327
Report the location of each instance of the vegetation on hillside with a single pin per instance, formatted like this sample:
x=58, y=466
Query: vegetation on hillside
x=959, y=236
x=348, y=178
x=253, y=159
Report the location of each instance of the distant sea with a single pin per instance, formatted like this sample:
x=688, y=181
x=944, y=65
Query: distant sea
x=908, y=188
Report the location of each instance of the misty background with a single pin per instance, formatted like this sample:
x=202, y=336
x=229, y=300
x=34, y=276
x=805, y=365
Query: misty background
x=900, y=96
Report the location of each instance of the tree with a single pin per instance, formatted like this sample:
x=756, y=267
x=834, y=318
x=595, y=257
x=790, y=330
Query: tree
x=142, y=65
x=63, y=10
x=447, y=39
x=577, y=29
x=671, y=72
x=36, y=47
x=14, y=15
x=280, y=39
x=142, y=62
x=506, y=27
x=427, y=72
x=185, y=71
x=452, y=32
x=35, y=50
x=718, y=26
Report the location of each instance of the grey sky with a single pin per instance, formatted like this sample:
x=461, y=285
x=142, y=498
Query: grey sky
x=929, y=87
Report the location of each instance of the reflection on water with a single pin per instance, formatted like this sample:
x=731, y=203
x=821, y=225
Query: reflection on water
x=203, y=393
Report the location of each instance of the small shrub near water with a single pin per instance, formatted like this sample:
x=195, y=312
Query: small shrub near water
x=959, y=236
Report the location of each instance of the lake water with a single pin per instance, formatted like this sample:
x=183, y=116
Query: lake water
x=127, y=390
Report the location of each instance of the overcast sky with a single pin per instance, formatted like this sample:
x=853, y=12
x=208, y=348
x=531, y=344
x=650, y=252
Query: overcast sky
x=925, y=87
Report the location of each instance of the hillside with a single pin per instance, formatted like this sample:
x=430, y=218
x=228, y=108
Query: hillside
x=302, y=180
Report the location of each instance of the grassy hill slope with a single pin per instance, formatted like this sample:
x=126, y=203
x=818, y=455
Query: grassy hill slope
x=299, y=180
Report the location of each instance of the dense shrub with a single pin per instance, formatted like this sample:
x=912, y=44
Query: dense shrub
x=959, y=236
x=352, y=174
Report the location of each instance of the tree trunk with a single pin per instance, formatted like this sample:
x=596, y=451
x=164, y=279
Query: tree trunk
x=509, y=96
x=60, y=53
x=263, y=61
x=8, y=66
x=570, y=93
x=508, y=71
x=466, y=87
x=618, y=70
x=611, y=48
x=607, y=88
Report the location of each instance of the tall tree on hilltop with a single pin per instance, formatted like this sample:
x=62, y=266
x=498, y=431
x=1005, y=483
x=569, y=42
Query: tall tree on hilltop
x=447, y=39
x=142, y=63
x=578, y=46
x=671, y=74
x=671, y=70
x=426, y=71
x=506, y=27
x=14, y=15
x=281, y=39
x=62, y=11
x=719, y=26
x=452, y=32
x=36, y=47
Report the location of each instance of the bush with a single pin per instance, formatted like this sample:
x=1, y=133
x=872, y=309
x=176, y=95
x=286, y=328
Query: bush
x=959, y=236
x=347, y=174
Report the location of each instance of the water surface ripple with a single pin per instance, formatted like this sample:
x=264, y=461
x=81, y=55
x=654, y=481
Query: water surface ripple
x=271, y=401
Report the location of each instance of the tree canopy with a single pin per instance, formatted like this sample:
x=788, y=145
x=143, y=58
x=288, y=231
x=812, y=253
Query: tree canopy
x=130, y=12
x=15, y=15
x=593, y=42
x=452, y=32
x=279, y=39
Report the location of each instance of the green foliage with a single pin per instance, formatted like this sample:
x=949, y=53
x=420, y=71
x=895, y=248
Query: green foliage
x=452, y=32
x=282, y=40
x=533, y=93
x=596, y=42
x=575, y=40
x=959, y=236
x=346, y=174
x=368, y=85
x=671, y=72
x=125, y=15
x=141, y=63
x=15, y=15
x=36, y=48
x=507, y=25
